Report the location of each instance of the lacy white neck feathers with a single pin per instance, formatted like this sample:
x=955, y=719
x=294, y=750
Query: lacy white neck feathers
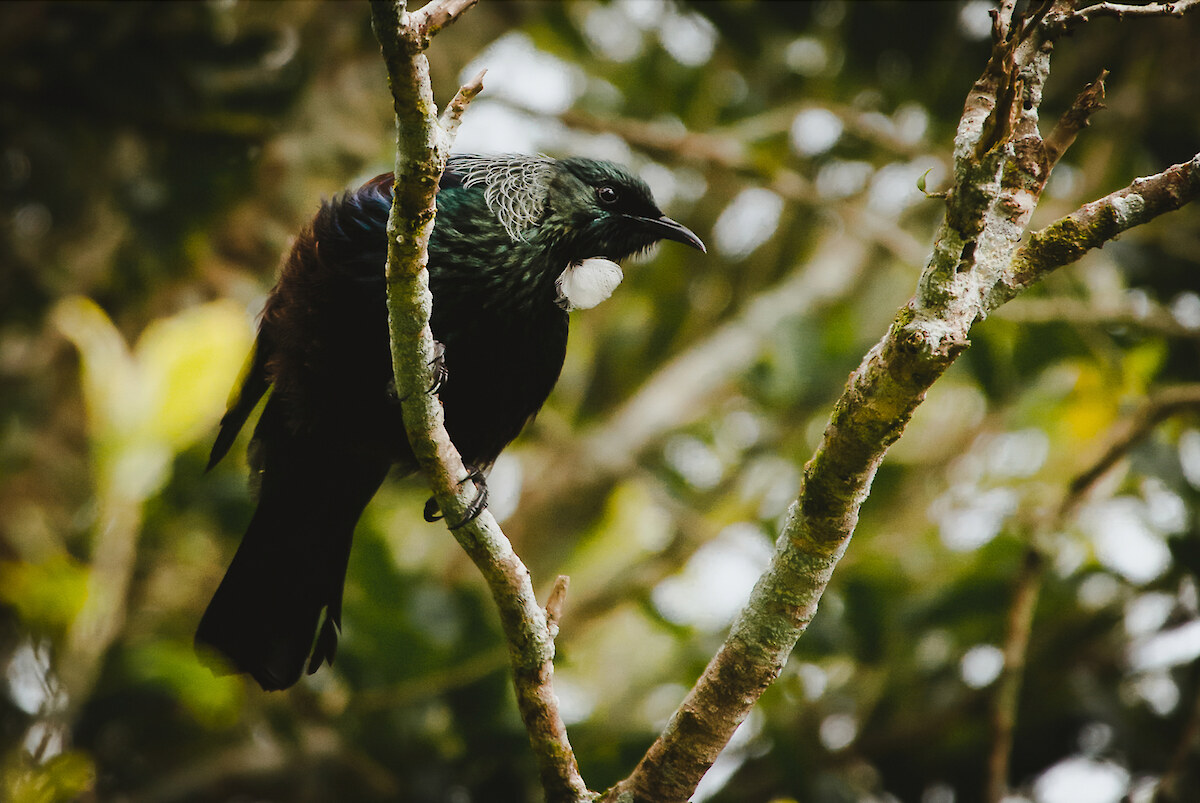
x=515, y=187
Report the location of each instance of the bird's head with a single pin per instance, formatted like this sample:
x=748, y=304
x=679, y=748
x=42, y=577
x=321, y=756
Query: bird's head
x=582, y=216
x=609, y=211
x=594, y=208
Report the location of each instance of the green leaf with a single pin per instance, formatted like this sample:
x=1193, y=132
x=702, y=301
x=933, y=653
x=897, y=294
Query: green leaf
x=921, y=180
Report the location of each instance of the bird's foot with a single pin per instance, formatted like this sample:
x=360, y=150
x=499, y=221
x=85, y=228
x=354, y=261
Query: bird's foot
x=440, y=374
x=473, y=510
x=479, y=502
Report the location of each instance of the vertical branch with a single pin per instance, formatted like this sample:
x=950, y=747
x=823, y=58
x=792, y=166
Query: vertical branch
x=100, y=620
x=423, y=146
x=1008, y=688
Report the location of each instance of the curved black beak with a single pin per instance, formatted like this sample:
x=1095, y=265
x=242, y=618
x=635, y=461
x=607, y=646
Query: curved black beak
x=668, y=229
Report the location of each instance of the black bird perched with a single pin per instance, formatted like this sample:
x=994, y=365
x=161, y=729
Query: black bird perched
x=518, y=242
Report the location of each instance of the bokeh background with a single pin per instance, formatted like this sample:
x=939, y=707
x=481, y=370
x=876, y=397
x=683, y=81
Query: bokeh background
x=158, y=157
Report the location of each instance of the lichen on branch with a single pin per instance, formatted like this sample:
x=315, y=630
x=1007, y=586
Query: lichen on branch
x=423, y=147
x=1002, y=165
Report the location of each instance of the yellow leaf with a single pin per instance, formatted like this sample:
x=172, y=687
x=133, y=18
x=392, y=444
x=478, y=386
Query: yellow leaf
x=189, y=362
x=1092, y=406
x=109, y=376
x=145, y=407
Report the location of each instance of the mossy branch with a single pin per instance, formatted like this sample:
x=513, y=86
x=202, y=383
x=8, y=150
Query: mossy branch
x=1092, y=225
x=423, y=146
x=1001, y=167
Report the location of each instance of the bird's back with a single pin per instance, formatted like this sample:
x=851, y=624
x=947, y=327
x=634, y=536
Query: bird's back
x=326, y=319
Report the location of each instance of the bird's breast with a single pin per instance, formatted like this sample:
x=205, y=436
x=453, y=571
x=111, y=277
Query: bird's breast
x=500, y=373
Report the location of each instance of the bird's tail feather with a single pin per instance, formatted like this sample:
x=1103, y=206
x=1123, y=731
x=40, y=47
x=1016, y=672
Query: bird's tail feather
x=251, y=384
x=288, y=573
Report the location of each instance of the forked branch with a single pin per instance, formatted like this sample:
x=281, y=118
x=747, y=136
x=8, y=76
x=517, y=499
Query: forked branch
x=1001, y=168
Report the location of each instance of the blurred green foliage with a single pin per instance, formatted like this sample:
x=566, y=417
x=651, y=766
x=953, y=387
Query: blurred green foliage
x=158, y=157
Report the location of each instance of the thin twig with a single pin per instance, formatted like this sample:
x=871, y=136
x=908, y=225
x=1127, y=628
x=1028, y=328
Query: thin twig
x=1089, y=101
x=555, y=603
x=462, y=673
x=435, y=15
x=1144, y=317
x=452, y=117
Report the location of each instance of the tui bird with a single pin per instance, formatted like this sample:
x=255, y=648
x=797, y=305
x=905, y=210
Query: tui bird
x=518, y=242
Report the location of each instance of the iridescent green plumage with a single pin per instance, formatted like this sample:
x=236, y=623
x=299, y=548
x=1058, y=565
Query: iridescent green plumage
x=506, y=229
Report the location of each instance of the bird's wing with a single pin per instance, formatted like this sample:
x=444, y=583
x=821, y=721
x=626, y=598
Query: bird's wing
x=365, y=210
x=250, y=386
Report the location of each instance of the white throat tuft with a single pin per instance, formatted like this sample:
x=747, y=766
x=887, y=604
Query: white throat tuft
x=585, y=284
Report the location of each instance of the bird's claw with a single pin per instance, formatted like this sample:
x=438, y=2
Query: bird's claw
x=473, y=510
x=440, y=374
x=478, y=503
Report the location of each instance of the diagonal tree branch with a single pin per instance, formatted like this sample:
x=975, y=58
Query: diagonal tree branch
x=1126, y=435
x=1121, y=10
x=1092, y=225
x=1000, y=171
x=1001, y=166
x=1065, y=17
x=684, y=387
x=1135, y=313
x=1076, y=118
x=423, y=146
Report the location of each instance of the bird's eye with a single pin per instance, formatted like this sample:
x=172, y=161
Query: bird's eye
x=607, y=195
